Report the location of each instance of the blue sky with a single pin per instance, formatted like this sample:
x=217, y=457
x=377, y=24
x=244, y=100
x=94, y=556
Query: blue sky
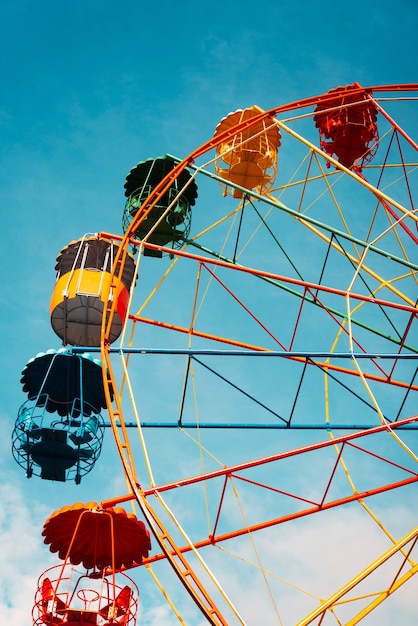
x=88, y=90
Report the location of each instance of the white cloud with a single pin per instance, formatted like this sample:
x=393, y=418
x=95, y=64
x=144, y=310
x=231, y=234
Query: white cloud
x=23, y=554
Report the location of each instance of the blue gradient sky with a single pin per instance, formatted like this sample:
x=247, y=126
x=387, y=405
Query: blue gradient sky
x=88, y=89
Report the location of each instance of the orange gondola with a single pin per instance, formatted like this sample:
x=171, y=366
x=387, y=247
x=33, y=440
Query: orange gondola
x=250, y=155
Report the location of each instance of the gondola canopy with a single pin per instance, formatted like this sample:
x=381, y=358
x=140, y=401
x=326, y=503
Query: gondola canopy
x=64, y=377
x=347, y=125
x=97, y=537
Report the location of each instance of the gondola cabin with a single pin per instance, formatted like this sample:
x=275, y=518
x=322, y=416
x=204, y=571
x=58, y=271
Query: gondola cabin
x=166, y=220
x=347, y=125
x=94, y=543
x=58, y=432
x=85, y=286
x=247, y=157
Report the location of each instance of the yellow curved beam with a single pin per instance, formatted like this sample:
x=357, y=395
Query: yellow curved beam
x=336, y=597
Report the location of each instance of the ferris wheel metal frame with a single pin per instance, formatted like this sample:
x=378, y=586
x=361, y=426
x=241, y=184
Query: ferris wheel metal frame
x=324, y=360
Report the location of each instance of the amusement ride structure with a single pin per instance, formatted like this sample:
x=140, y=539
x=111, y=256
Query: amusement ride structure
x=252, y=337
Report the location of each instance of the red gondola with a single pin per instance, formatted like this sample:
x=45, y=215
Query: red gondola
x=100, y=541
x=64, y=596
x=347, y=125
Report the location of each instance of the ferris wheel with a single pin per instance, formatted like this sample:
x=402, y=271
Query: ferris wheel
x=257, y=330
